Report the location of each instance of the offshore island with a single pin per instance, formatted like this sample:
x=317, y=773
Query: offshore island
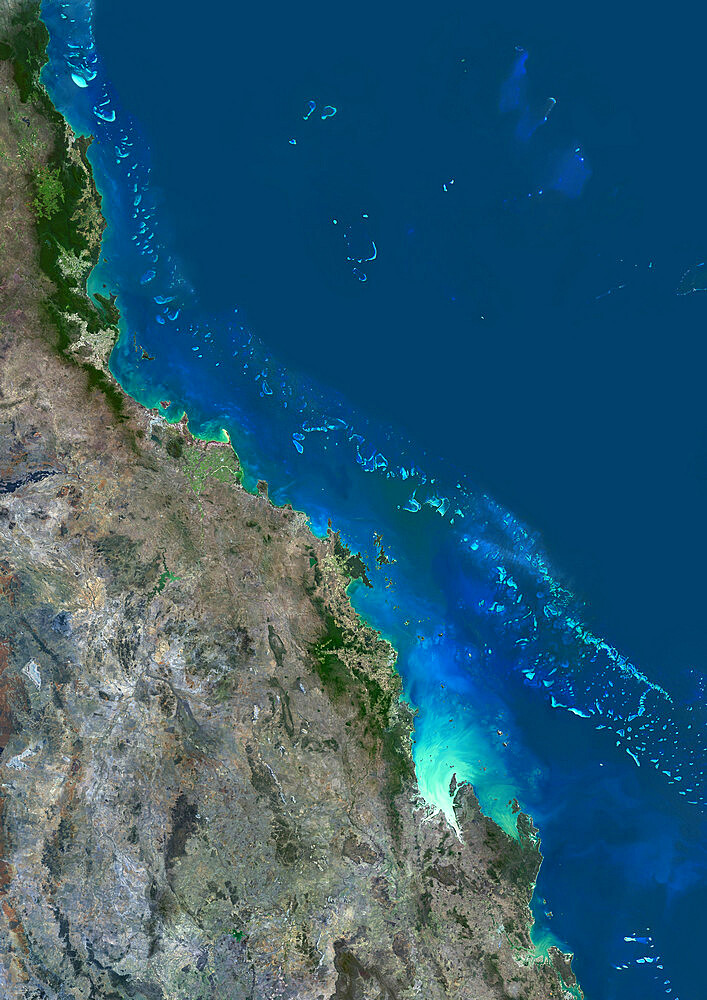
x=207, y=784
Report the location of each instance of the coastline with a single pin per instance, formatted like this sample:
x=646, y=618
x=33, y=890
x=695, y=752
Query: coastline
x=505, y=559
x=251, y=482
x=556, y=689
x=96, y=372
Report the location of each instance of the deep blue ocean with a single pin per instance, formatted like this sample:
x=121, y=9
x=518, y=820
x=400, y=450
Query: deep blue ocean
x=439, y=276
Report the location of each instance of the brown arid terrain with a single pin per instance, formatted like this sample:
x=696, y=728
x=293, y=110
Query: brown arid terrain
x=206, y=781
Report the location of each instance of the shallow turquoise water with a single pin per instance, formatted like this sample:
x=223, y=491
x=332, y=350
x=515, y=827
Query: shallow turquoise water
x=515, y=692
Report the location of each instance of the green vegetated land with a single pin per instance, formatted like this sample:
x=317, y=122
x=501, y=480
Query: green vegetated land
x=64, y=200
x=201, y=465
